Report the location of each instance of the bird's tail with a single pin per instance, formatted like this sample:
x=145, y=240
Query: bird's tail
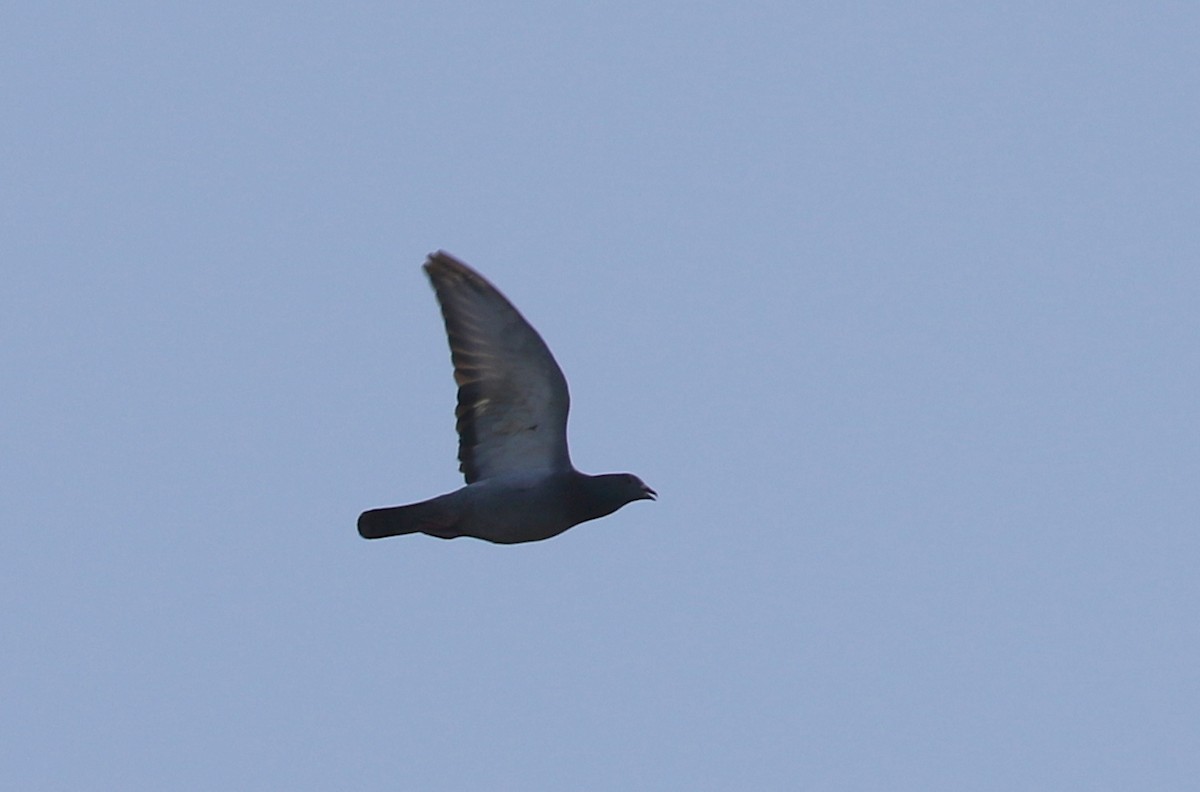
x=424, y=517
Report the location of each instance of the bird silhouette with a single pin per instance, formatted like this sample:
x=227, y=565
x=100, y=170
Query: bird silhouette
x=512, y=430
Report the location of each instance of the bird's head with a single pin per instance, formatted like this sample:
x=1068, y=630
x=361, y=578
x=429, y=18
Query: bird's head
x=622, y=488
x=606, y=493
x=638, y=488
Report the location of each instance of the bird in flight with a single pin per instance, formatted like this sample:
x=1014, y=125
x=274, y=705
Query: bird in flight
x=512, y=430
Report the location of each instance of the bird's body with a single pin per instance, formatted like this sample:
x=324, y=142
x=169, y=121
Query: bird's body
x=512, y=423
x=504, y=510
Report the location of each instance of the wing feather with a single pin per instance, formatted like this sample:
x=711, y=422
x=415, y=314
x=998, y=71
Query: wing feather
x=512, y=396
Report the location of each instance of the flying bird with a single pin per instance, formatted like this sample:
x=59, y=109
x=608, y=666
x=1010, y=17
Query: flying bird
x=512, y=430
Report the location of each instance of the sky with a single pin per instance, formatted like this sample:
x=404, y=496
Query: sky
x=894, y=304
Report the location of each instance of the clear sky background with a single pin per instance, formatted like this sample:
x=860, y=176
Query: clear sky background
x=895, y=304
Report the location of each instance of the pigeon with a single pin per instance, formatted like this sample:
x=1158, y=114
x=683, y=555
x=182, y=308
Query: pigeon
x=512, y=430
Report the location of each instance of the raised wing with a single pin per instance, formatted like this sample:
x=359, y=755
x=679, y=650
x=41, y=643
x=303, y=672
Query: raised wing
x=512, y=396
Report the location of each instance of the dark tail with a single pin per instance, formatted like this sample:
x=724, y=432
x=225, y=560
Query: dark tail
x=423, y=517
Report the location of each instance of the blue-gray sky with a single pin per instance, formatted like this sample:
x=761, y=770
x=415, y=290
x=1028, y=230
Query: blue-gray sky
x=894, y=304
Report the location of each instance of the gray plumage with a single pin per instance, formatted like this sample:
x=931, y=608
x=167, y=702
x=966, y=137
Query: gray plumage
x=512, y=430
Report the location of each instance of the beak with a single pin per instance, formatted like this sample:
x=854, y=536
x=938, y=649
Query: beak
x=649, y=494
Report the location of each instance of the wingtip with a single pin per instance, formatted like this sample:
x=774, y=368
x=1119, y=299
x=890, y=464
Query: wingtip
x=443, y=267
x=441, y=259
